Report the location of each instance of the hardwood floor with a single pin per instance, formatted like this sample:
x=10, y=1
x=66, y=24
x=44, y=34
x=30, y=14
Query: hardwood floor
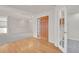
x=30, y=45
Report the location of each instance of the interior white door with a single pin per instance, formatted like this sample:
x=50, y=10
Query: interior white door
x=62, y=40
x=65, y=30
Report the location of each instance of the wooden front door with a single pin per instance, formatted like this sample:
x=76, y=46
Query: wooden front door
x=44, y=28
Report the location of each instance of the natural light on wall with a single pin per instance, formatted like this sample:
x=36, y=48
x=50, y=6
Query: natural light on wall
x=3, y=24
x=76, y=15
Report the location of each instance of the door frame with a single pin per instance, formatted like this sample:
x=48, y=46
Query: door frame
x=38, y=26
x=65, y=31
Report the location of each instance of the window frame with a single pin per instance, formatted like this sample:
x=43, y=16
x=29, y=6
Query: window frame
x=5, y=26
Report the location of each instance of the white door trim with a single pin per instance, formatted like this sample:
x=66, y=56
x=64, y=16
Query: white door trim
x=65, y=31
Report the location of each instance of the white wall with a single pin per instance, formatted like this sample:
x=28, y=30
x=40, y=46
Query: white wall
x=73, y=26
x=19, y=24
x=35, y=26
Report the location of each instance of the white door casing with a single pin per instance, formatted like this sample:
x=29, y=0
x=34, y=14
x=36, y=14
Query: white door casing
x=64, y=38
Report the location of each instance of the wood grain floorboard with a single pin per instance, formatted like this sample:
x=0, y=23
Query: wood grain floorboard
x=30, y=45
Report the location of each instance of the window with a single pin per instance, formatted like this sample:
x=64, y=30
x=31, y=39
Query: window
x=3, y=24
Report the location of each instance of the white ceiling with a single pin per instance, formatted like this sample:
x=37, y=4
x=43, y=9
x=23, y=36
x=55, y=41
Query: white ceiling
x=35, y=9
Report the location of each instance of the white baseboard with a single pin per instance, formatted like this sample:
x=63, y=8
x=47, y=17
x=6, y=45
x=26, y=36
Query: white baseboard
x=74, y=39
x=56, y=45
x=35, y=36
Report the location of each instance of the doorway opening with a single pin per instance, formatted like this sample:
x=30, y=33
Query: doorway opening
x=42, y=25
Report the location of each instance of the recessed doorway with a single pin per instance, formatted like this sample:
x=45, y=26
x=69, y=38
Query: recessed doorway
x=43, y=28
